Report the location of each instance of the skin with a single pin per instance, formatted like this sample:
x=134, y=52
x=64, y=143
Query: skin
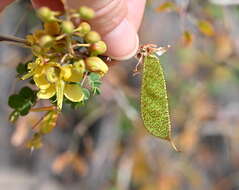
x=116, y=20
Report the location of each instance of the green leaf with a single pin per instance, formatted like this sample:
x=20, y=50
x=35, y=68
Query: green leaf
x=24, y=110
x=94, y=77
x=97, y=83
x=21, y=103
x=14, y=116
x=21, y=68
x=15, y=101
x=86, y=93
x=96, y=91
x=27, y=93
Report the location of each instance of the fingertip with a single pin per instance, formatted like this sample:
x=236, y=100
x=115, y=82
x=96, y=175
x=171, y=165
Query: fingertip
x=55, y=5
x=122, y=42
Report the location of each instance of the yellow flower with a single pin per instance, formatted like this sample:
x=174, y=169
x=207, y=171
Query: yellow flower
x=52, y=28
x=97, y=65
x=35, y=68
x=53, y=79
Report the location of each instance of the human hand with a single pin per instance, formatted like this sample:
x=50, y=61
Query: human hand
x=116, y=20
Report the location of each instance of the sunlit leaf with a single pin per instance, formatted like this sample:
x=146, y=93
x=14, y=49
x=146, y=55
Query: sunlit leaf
x=95, y=82
x=35, y=142
x=187, y=38
x=49, y=122
x=206, y=28
x=166, y=6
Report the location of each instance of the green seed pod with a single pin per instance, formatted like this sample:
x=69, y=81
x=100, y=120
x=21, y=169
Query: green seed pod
x=98, y=48
x=92, y=37
x=45, y=14
x=154, y=101
x=83, y=29
x=86, y=12
x=97, y=65
x=46, y=41
x=67, y=27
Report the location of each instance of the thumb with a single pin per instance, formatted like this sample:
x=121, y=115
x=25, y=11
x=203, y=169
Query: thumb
x=111, y=22
x=4, y=3
x=114, y=22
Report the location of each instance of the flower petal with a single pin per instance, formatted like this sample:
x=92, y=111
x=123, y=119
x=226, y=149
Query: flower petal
x=77, y=71
x=66, y=71
x=27, y=76
x=73, y=92
x=48, y=93
x=41, y=82
x=60, y=85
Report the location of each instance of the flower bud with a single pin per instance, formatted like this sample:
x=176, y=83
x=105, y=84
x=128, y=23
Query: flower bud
x=86, y=12
x=83, y=29
x=92, y=37
x=45, y=14
x=98, y=48
x=97, y=65
x=67, y=27
x=52, y=28
x=46, y=41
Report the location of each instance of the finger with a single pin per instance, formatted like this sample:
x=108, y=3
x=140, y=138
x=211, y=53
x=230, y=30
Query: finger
x=117, y=27
x=135, y=12
x=112, y=23
x=55, y=5
x=4, y=3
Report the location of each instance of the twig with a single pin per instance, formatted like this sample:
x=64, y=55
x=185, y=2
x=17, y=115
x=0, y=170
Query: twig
x=41, y=109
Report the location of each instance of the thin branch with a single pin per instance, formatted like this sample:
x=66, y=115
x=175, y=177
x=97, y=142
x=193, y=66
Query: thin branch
x=16, y=41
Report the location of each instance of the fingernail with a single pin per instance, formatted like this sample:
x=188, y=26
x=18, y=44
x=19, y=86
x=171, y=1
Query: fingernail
x=122, y=42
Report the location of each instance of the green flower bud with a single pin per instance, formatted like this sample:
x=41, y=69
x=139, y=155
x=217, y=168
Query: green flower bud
x=92, y=37
x=97, y=65
x=46, y=41
x=86, y=12
x=45, y=14
x=83, y=29
x=98, y=48
x=67, y=27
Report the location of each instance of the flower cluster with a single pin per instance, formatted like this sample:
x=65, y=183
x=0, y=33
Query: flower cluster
x=67, y=67
x=65, y=54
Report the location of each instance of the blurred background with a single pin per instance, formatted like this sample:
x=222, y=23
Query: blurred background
x=103, y=145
